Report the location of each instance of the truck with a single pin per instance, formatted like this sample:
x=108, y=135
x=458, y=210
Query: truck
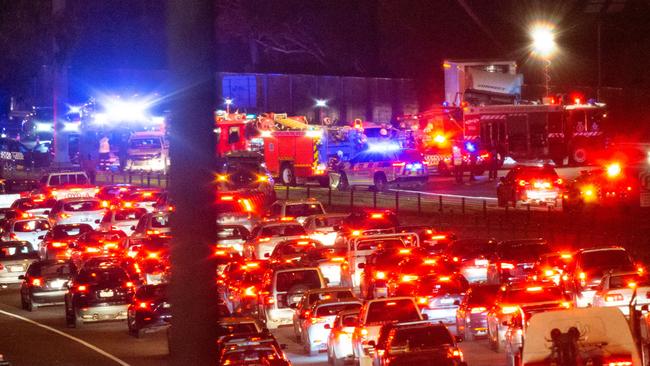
x=148, y=151
x=231, y=132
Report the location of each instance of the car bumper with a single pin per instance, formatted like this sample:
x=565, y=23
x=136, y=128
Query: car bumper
x=343, y=346
x=48, y=297
x=446, y=315
x=103, y=313
x=585, y=298
x=318, y=337
x=146, y=165
x=541, y=196
x=149, y=320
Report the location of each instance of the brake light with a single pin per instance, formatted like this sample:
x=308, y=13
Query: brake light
x=377, y=216
x=129, y=284
x=507, y=266
x=287, y=218
x=455, y=259
x=618, y=362
x=534, y=289
x=444, y=279
x=582, y=276
x=405, y=251
x=356, y=233
x=477, y=310
x=380, y=275
x=252, y=265
x=270, y=301
x=363, y=332
x=566, y=304
x=137, y=268
x=261, y=240
x=143, y=305
x=456, y=353
x=566, y=256
x=64, y=215
x=549, y=273
x=37, y=282
x=58, y=244
x=559, y=181
x=82, y=288
x=423, y=300
x=127, y=204
x=438, y=237
x=338, y=259
x=409, y=278
x=1, y=267
x=522, y=183
x=227, y=198
x=542, y=185
x=153, y=232
x=250, y=292
x=92, y=250
x=508, y=309
x=429, y=262
x=220, y=253
x=613, y=297
x=104, y=204
x=399, y=164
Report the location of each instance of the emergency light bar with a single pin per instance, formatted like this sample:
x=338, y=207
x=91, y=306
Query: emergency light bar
x=383, y=147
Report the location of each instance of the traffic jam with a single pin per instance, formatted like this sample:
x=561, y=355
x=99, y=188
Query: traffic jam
x=360, y=287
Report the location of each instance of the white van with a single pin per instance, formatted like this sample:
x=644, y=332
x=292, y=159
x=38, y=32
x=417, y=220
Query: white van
x=148, y=151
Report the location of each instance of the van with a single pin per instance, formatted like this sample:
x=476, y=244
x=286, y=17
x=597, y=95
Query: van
x=148, y=151
x=283, y=287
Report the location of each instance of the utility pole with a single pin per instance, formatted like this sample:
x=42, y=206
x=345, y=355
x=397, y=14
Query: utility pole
x=191, y=57
x=59, y=87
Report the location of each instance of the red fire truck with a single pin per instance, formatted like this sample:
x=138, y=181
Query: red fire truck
x=231, y=130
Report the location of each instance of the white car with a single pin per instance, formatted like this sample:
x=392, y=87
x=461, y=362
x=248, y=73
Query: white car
x=339, y=341
x=121, y=219
x=316, y=328
x=39, y=207
x=310, y=297
x=265, y=236
x=324, y=228
x=150, y=224
x=298, y=210
x=31, y=230
x=77, y=211
x=232, y=236
x=616, y=290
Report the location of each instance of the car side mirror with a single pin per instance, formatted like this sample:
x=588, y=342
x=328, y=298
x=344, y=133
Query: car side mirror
x=327, y=326
x=21, y=277
x=97, y=221
x=361, y=265
x=46, y=212
x=267, y=255
x=41, y=237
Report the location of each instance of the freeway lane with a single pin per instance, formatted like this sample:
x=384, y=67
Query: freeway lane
x=25, y=344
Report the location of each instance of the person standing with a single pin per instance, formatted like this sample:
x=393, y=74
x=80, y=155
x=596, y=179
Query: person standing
x=104, y=151
x=457, y=162
x=494, y=163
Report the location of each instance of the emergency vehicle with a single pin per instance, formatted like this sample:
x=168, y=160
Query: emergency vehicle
x=231, y=131
x=148, y=151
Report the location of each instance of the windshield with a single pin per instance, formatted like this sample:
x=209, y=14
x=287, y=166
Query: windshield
x=545, y=294
x=98, y=276
x=605, y=259
x=159, y=222
x=470, y=248
x=402, y=310
x=628, y=281
x=385, y=244
x=81, y=206
x=145, y=143
x=481, y=295
x=283, y=230
x=235, y=328
x=50, y=270
x=303, y=209
x=421, y=337
x=18, y=251
x=442, y=285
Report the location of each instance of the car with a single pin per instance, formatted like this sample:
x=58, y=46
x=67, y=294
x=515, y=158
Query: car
x=339, y=342
x=317, y=325
x=56, y=243
x=439, y=296
x=299, y=210
x=374, y=313
x=514, y=260
x=378, y=268
x=292, y=250
x=369, y=222
x=282, y=287
x=45, y=283
x=98, y=293
x=471, y=316
x=330, y=260
x=97, y=244
x=231, y=327
x=266, y=235
x=12, y=190
x=378, y=168
x=551, y=266
x=529, y=184
x=252, y=349
x=15, y=258
x=413, y=343
x=584, y=274
x=309, y=297
x=31, y=230
x=245, y=171
x=150, y=224
x=121, y=219
x=514, y=338
x=609, y=186
x=471, y=256
x=7, y=214
x=36, y=206
x=324, y=228
x=113, y=193
x=617, y=288
x=141, y=198
x=62, y=185
x=149, y=310
x=235, y=208
x=532, y=297
x=232, y=236
x=77, y=211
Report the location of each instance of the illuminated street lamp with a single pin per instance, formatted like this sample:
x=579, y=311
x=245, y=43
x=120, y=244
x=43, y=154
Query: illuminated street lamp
x=321, y=104
x=544, y=46
x=228, y=102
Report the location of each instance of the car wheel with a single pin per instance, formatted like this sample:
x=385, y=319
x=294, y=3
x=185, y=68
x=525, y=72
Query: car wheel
x=380, y=182
x=31, y=306
x=287, y=176
x=23, y=303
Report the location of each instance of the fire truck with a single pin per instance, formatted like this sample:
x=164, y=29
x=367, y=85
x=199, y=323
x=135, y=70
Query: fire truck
x=232, y=131
x=538, y=131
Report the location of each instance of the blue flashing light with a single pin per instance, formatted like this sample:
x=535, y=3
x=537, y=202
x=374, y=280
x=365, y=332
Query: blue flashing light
x=445, y=104
x=470, y=147
x=251, y=116
x=383, y=147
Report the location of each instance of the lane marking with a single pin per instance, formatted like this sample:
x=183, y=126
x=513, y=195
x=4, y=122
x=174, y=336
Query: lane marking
x=80, y=341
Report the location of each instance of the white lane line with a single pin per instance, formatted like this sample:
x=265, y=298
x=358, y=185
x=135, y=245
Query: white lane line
x=80, y=341
x=445, y=194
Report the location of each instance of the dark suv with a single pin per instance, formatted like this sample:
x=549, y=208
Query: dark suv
x=514, y=260
x=97, y=293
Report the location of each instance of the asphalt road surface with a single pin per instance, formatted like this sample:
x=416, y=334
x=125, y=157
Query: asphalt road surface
x=41, y=338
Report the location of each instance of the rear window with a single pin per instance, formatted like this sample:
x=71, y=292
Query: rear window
x=30, y=226
x=307, y=278
x=160, y=222
x=605, y=259
x=333, y=309
x=232, y=232
x=229, y=207
x=628, y=281
x=129, y=214
x=81, y=206
x=421, y=337
x=333, y=295
x=17, y=252
x=482, y=295
x=545, y=294
x=283, y=230
x=471, y=248
x=328, y=221
x=99, y=236
x=67, y=231
x=376, y=244
x=98, y=276
x=441, y=287
x=538, y=172
x=50, y=270
x=145, y=143
x=27, y=204
x=152, y=291
x=143, y=196
x=303, y=209
x=523, y=251
x=239, y=328
x=392, y=311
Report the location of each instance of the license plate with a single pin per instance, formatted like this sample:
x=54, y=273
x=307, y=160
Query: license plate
x=16, y=268
x=85, y=219
x=106, y=293
x=296, y=299
x=57, y=283
x=447, y=301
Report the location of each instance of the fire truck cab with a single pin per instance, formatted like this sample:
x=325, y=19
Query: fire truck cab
x=231, y=130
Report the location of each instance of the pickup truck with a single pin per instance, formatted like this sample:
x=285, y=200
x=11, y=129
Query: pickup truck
x=62, y=185
x=13, y=189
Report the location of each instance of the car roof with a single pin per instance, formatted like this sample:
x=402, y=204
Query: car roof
x=601, y=249
x=78, y=199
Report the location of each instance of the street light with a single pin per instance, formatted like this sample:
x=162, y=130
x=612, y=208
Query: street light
x=321, y=103
x=544, y=46
x=228, y=102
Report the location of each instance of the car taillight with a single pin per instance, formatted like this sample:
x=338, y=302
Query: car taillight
x=93, y=250
x=13, y=236
x=1, y=267
x=559, y=181
x=270, y=301
x=455, y=353
x=82, y=288
x=37, y=282
x=144, y=305
x=363, y=332
x=542, y=184
x=477, y=310
x=380, y=275
x=399, y=164
x=64, y=215
x=250, y=292
x=153, y=232
x=508, y=309
x=423, y=300
x=262, y=240
x=316, y=320
x=618, y=361
x=129, y=284
x=507, y=266
x=522, y=183
x=613, y=297
x=409, y=278
x=58, y=244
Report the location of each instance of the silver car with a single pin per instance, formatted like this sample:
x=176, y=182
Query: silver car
x=265, y=236
x=15, y=258
x=121, y=219
x=77, y=211
x=316, y=328
x=30, y=230
x=324, y=228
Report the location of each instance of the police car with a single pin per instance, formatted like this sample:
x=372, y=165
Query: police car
x=379, y=166
x=13, y=155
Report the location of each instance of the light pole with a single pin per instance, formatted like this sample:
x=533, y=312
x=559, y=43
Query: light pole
x=321, y=104
x=228, y=102
x=544, y=46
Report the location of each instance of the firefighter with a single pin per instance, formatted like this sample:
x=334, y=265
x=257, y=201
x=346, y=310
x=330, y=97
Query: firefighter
x=472, y=165
x=457, y=161
x=494, y=163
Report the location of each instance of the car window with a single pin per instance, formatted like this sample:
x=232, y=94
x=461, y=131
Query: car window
x=523, y=251
x=81, y=206
x=276, y=210
x=160, y=221
x=376, y=244
x=235, y=328
x=628, y=281
x=605, y=258
x=145, y=143
x=282, y=230
x=30, y=226
x=232, y=232
x=50, y=270
x=333, y=309
x=66, y=231
x=303, y=209
x=398, y=310
x=103, y=276
x=286, y=280
x=421, y=337
x=482, y=295
x=526, y=295
x=17, y=252
x=350, y=320
x=129, y=214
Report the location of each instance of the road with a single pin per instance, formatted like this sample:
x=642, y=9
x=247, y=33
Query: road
x=25, y=341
